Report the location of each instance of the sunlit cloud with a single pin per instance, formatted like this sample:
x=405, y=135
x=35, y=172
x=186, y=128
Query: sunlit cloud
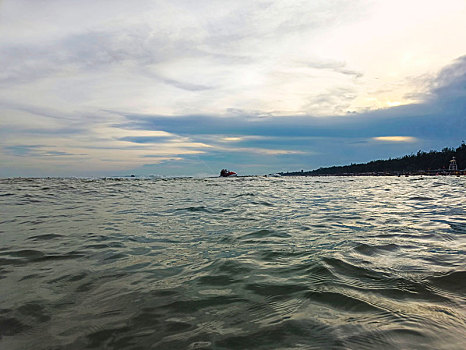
x=266, y=151
x=231, y=139
x=395, y=138
x=120, y=133
x=395, y=103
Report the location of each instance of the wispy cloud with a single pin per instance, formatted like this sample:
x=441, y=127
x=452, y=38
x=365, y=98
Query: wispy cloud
x=37, y=151
x=22, y=150
x=231, y=139
x=395, y=138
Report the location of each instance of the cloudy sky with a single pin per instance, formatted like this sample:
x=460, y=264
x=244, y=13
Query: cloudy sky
x=180, y=87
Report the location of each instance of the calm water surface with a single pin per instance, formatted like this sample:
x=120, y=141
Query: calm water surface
x=244, y=263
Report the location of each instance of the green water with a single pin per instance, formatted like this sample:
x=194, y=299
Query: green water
x=244, y=263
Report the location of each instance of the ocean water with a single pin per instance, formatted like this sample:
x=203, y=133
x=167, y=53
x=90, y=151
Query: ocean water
x=235, y=263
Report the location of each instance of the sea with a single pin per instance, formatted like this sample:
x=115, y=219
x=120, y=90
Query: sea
x=233, y=263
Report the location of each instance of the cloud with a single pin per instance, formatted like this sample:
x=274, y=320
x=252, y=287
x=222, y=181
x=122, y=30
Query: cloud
x=36, y=151
x=232, y=139
x=22, y=150
x=256, y=150
x=430, y=124
x=186, y=86
x=395, y=138
x=145, y=139
x=338, y=67
x=448, y=88
x=225, y=55
x=275, y=83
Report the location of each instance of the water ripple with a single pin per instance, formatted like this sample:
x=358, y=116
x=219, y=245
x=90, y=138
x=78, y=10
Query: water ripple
x=244, y=263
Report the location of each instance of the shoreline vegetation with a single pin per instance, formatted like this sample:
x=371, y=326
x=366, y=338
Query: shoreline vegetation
x=422, y=163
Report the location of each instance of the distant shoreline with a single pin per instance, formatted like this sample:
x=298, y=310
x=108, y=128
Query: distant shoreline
x=407, y=173
x=448, y=161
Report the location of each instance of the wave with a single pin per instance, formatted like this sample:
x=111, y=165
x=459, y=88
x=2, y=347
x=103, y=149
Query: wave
x=296, y=263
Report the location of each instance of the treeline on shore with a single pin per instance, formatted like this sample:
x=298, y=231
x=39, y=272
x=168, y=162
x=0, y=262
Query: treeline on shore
x=422, y=162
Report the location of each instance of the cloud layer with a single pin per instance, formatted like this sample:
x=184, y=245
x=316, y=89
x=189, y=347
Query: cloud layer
x=177, y=88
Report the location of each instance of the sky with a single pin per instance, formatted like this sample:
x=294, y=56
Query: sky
x=186, y=88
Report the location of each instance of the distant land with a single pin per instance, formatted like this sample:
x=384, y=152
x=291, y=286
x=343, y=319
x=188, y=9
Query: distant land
x=421, y=163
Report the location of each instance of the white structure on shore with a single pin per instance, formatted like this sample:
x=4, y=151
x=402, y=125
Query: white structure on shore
x=453, y=166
